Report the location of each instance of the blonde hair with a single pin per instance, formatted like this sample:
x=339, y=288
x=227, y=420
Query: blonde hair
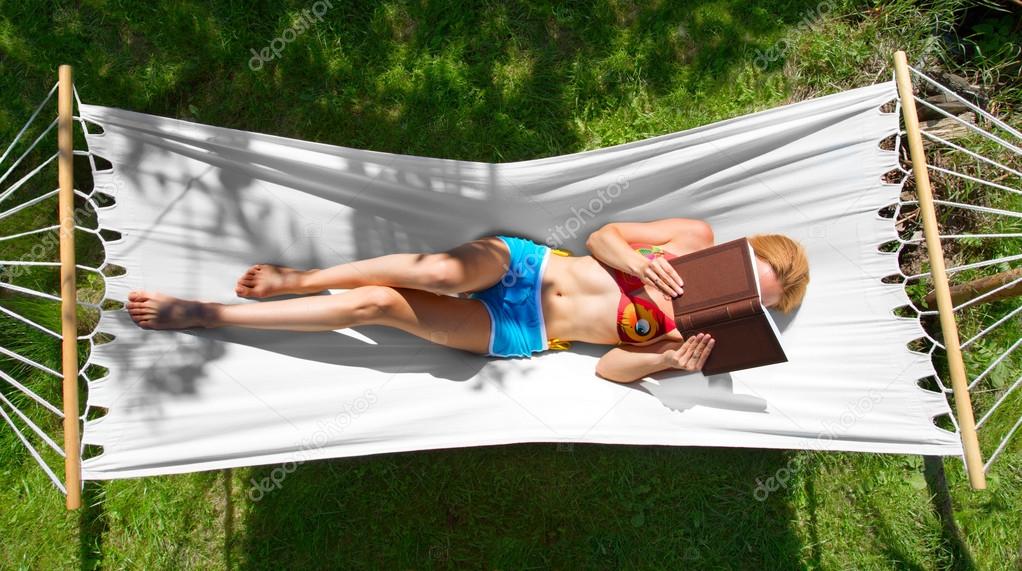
x=789, y=262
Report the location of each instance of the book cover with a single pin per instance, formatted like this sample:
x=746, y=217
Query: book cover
x=723, y=298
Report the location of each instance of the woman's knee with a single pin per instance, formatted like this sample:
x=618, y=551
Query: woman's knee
x=375, y=303
x=442, y=273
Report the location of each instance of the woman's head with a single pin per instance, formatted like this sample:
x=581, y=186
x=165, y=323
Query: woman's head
x=784, y=270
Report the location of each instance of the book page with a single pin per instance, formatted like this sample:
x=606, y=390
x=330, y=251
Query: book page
x=755, y=272
x=759, y=292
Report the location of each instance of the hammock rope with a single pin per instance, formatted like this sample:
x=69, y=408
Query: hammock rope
x=35, y=428
x=30, y=362
x=997, y=404
x=10, y=190
x=971, y=126
x=32, y=394
x=994, y=363
x=28, y=150
x=28, y=203
x=972, y=154
x=989, y=117
x=28, y=123
x=974, y=179
x=34, y=453
x=1002, y=445
x=992, y=326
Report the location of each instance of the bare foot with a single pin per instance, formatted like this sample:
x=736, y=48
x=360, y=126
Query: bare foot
x=267, y=280
x=152, y=310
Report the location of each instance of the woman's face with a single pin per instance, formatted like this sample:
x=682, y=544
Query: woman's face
x=769, y=285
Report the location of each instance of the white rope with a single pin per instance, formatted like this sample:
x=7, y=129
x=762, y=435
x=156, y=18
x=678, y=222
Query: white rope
x=30, y=119
x=28, y=321
x=28, y=176
x=31, y=394
x=993, y=364
x=28, y=203
x=1009, y=235
x=977, y=208
x=974, y=179
x=30, y=232
x=53, y=477
x=29, y=150
x=971, y=266
x=965, y=206
x=969, y=104
x=85, y=413
x=979, y=130
x=44, y=264
x=85, y=128
x=983, y=264
x=42, y=295
x=954, y=420
x=30, y=362
x=957, y=236
x=979, y=298
x=897, y=138
x=1004, y=443
x=1004, y=396
x=971, y=154
x=39, y=432
x=27, y=291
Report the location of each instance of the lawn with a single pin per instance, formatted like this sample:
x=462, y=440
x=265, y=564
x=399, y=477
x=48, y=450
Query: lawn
x=497, y=81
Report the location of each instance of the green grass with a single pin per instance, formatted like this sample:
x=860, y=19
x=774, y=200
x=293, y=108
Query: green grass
x=493, y=82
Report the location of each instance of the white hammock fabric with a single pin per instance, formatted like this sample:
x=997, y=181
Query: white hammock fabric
x=196, y=205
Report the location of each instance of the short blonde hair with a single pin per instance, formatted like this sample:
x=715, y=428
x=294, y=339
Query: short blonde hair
x=788, y=259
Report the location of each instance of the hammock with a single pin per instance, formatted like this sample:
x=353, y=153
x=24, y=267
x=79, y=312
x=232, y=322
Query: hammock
x=195, y=205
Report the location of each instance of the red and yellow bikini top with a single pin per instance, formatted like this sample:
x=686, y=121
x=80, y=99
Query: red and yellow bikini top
x=638, y=318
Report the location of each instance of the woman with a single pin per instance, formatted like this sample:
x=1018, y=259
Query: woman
x=521, y=298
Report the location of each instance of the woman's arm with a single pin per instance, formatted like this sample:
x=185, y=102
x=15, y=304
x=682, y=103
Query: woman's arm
x=610, y=244
x=629, y=363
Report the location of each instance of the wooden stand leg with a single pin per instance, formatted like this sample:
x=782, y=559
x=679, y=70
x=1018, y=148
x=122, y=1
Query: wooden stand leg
x=68, y=294
x=948, y=326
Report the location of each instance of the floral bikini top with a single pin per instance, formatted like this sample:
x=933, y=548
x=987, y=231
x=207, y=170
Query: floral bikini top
x=638, y=318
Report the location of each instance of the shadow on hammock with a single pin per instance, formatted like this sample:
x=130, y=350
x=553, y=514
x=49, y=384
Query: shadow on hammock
x=390, y=351
x=385, y=350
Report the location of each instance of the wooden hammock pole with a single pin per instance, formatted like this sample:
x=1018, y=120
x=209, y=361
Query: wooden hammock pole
x=68, y=294
x=948, y=326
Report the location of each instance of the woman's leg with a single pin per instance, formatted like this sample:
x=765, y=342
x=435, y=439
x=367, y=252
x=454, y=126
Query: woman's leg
x=472, y=266
x=458, y=323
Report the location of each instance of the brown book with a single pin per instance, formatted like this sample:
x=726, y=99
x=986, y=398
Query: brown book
x=722, y=298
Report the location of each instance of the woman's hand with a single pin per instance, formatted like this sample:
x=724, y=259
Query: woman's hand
x=691, y=354
x=660, y=274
